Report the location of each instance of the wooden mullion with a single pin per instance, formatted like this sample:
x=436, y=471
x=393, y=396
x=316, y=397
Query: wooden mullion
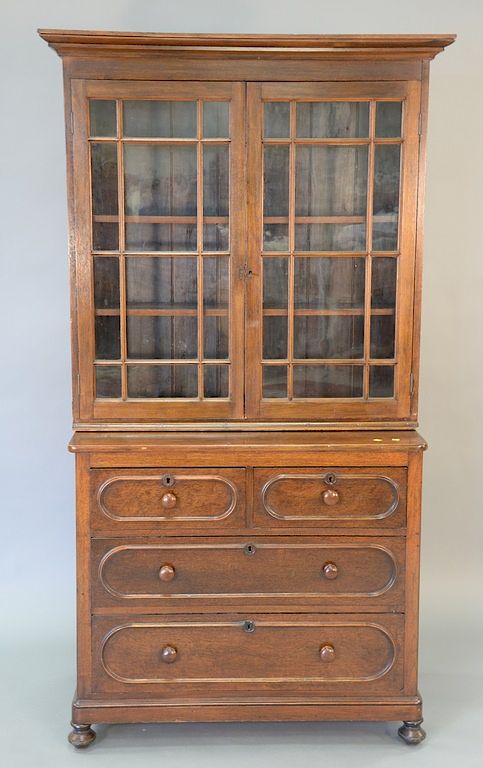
x=368, y=274
x=291, y=240
x=122, y=251
x=199, y=241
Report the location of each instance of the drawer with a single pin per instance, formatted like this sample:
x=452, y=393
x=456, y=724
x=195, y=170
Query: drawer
x=167, y=499
x=330, y=497
x=255, y=655
x=335, y=573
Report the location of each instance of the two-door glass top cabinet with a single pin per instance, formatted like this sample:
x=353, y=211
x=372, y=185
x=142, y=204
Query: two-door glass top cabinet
x=245, y=246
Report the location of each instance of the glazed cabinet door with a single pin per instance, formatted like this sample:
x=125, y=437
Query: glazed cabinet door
x=332, y=182
x=159, y=197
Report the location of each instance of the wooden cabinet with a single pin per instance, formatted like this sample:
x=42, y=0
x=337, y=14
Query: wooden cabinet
x=246, y=242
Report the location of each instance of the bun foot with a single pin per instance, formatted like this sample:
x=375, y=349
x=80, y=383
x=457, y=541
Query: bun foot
x=411, y=732
x=81, y=736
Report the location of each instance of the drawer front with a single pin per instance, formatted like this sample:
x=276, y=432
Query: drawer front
x=319, y=654
x=328, y=497
x=325, y=573
x=167, y=499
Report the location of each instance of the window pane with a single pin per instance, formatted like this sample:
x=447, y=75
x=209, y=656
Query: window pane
x=161, y=283
x=382, y=336
x=215, y=237
x=330, y=237
x=105, y=235
x=276, y=120
x=329, y=283
x=155, y=338
x=215, y=338
x=276, y=178
x=160, y=181
x=216, y=380
x=108, y=381
x=326, y=337
x=162, y=381
x=160, y=119
x=338, y=119
x=386, y=197
x=275, y=283
x=381, y=381
x=215, y=180
x=275, y=237
x=274, y=338
x=106, y=282
x=383, y=283
x=327, y=380
x=215, y=282
x=388, y=119
x=102, y=118
x=274, y=381
x=108, y=340
x=331, y=181
x=215, y=119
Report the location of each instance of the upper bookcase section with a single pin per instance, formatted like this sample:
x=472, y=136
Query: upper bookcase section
x=245, y=228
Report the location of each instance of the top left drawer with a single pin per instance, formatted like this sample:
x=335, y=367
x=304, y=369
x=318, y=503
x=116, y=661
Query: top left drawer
x=167, y=500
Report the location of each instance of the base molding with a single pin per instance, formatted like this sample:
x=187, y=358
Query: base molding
x=86, y=711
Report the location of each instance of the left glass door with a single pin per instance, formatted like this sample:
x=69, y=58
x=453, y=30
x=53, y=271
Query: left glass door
x=159, y=197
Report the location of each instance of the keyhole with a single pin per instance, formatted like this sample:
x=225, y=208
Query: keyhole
x=168, y=481
x=249, y=626
x=330, y=479
x=250, y=549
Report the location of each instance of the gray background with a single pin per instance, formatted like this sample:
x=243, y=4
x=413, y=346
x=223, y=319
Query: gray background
x=37, y=479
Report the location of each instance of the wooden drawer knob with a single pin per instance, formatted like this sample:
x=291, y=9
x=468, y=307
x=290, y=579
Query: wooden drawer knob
x=167, y=572
x=330, y=497
x=327, y=653
x=168, y=500
x=169, y=654
x=330, y=571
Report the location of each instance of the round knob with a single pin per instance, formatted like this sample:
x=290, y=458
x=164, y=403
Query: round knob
x=169, y=654
x=168, y=500
x=330, y=571
x=330, y=497
x=166, y=572
x=327, y=653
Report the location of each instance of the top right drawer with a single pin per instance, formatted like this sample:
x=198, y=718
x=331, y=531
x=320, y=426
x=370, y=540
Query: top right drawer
x=312, y=497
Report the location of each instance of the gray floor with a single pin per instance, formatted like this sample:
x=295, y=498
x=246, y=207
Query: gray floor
x=37, y=681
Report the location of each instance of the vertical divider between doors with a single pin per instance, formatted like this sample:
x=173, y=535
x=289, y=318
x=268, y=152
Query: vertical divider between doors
x=254, y=325
x=238, y=248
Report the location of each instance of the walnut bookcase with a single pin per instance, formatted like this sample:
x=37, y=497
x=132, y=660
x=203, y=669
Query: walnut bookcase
x=245, y=245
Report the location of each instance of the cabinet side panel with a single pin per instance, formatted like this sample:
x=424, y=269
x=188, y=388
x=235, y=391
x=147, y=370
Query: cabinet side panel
x=413, y=542
x=83, y=576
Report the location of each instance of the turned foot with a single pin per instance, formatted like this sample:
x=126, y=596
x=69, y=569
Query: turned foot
x=81, y=736
x=411, y=732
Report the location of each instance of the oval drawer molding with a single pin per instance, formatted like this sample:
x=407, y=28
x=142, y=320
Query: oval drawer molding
x=142, y=497
x=221, y=651
x=275, y=569
x=356, y=497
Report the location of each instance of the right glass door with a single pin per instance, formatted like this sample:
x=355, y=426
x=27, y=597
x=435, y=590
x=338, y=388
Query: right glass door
x=331, y=249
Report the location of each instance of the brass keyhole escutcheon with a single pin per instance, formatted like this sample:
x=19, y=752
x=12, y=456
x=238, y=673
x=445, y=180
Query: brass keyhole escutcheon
x=250, y=549
x=249, y=626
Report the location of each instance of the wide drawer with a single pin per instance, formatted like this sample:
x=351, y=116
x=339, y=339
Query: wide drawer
x=331, y=573
x=330, y=497
x=249, y=654
x=167, y=499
